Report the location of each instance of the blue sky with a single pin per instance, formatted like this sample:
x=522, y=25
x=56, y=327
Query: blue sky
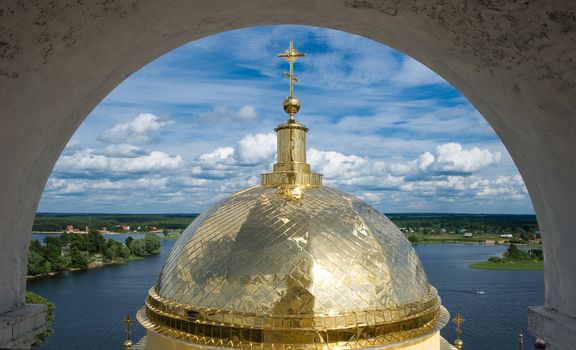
x=196, y=125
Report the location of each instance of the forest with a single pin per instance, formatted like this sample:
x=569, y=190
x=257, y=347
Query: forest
x=76, y=251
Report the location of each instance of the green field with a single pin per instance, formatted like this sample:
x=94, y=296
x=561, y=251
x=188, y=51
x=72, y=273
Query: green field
x=512, y=265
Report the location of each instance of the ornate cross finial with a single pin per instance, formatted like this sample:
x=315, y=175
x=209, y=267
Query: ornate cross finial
x=128, y=342
x=291, y=55
x=458, y=320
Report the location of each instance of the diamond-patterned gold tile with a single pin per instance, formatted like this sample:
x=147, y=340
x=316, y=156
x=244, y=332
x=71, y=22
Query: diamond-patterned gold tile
x=260, y=269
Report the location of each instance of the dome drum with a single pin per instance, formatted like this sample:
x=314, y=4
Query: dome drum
x=226, y=328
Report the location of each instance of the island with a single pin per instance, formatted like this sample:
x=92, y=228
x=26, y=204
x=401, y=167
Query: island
x=73, y=251
x=514, y=259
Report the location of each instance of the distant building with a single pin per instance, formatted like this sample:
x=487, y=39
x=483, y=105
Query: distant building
x=467, y=234
x=506, y=235
x=69, y=228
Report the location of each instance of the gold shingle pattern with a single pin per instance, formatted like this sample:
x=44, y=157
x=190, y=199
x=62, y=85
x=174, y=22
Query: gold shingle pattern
x=328, y=253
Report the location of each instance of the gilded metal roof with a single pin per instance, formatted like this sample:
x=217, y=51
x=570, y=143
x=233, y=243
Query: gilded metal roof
x=327, y=262
x=256, y=252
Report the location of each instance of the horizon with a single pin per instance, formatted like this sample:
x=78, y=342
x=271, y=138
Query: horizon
x=198, y=213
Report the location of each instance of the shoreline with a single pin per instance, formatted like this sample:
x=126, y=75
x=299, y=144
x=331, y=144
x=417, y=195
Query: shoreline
x=529, y=265
x=83, y=233
x=92, y=266
x=487, y=242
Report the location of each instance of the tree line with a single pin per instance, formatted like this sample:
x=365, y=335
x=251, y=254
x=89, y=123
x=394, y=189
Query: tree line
x=514, y=254
x=71, y=251
x=55, y=222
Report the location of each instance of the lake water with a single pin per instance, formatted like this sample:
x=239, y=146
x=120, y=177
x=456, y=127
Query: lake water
x=90, y=305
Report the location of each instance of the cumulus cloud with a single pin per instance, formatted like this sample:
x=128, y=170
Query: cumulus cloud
x=336, y=165
x=68, y=187
x=146, y=183
x=445, y=174
x=138, y=130
x=217, y=158
x=253, y=149
x=224, y=114
x=89, y=160
x=452, y=157
x=122, y=150
x=449, y=173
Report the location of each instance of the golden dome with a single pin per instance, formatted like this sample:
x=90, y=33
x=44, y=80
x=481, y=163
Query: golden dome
x=261, y=269
x=292, y=264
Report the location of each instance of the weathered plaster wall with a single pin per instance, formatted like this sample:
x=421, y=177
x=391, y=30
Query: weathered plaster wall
x=514, y=60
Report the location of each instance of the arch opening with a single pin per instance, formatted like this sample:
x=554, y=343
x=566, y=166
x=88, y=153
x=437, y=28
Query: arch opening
x=524, y=91
x=213, y=135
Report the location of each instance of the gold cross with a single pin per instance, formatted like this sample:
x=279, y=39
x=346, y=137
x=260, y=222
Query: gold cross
x=291, y=55
x=458, y=320
x=127, y=321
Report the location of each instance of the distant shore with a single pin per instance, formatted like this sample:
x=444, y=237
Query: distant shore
x=509, y=266
x=92, y=266
x=104, y=233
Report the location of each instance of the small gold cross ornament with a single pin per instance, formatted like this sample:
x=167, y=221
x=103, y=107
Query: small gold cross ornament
x=458, y=320
x=128, y=343
x=291, y=55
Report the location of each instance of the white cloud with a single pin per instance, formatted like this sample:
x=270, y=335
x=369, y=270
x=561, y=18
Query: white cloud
x=145, y=183
x=336, y=165
x=253, y=149
x=88, y=160
x=65, y=187
x=217, y=158
x=68, y=187
x=452, y=157
x=224, y=114
x=138, y=130
x=187, y=181
x=447, y=158
x=122, y=150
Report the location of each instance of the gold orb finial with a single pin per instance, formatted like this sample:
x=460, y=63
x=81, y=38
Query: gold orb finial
x=458, y=344
x=291, y=106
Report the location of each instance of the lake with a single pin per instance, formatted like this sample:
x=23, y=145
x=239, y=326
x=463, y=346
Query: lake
x=91, y=304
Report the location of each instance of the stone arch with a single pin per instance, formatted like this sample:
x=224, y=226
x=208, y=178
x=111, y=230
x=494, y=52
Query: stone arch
x=513, y=60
